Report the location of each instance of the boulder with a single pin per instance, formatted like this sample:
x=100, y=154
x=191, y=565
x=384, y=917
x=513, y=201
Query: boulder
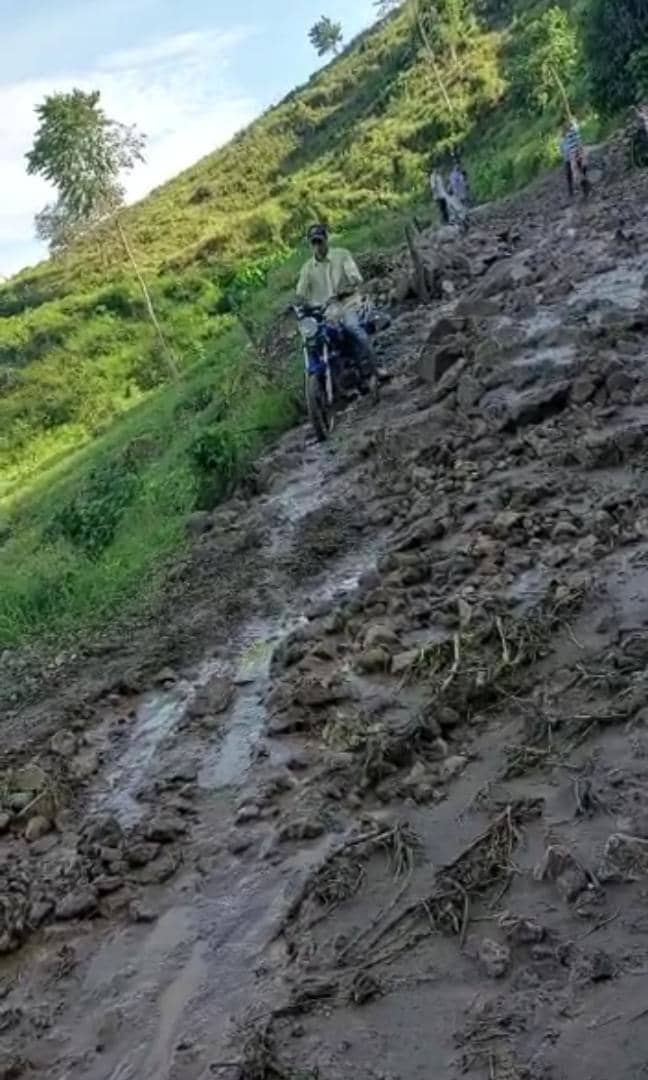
x=495, y=959
x=212, y=699
x=469, y=391
x=534, y=406
x=371, y=661
x=79, y=904
x=37, y=827
x=63, y=743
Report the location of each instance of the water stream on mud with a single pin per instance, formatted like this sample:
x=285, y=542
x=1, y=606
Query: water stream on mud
x=197, y=963
x=159, y=715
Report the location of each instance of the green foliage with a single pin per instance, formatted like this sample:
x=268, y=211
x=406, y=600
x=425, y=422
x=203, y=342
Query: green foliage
x=616, y=32
x=89, y=520
x=81, y=152
x=544, y=58
x=325, y=36
x=638, y=68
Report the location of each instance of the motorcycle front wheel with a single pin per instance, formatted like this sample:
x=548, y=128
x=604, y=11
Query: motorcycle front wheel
x=319, y=412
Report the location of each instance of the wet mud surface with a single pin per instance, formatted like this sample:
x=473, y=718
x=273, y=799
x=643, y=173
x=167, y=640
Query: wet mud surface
x=370, y=800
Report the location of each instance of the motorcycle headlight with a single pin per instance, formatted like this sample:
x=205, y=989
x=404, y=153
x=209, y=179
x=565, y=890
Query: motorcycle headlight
x=308, y=328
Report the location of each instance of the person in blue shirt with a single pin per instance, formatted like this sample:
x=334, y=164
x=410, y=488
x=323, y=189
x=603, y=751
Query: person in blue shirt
x=571, y=148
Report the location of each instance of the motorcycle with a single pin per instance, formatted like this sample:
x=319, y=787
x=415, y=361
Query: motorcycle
x=332, y=370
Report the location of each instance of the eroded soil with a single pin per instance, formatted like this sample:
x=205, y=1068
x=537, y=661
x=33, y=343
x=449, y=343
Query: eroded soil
x=369, y=799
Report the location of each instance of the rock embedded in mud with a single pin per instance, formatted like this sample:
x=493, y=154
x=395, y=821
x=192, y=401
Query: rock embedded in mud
x=63, y=743
x=522, y=931
x=37, y=827
x=39, y=911
x=560, y=866
x=452, y=767
x=381, y=636
x=247, y=813
x=311, y=692
x=159, y=871
x=85, y=764
x=404, y=662
x=141, y=854
x=307, y=827
x=423, y=532
x=103, y=830
x=30, y=778
x=213, y=699
x=80, y=904
x=584, y=389
x=238, y=843
x=534, y=406
x=625, y=859
x=108, y=884
x=469, y=391
x=620, y=383
x=372, y=661
x=165, y=829
x=495, y=959
x=140, y=913
x=19, y=800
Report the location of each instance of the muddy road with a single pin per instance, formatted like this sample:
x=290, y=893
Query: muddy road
x=367, y=799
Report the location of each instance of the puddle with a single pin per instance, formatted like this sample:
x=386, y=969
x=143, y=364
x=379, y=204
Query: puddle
x=156, y=718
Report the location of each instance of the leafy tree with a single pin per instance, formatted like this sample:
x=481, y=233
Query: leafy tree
x=82, y=153
x=326, y=36
x=615, y=31
x=545, y=59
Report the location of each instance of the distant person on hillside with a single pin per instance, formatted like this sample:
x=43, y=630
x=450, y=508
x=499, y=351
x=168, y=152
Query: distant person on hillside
x=573, y=154
x=458, y=183
x=331, y=277
x=440, y=195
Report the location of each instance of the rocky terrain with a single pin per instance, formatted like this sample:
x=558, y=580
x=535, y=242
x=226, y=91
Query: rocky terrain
x=368, y=799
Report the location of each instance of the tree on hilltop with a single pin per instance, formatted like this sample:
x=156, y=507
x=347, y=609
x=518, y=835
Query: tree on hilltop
x=326, y=36
x=83, y=154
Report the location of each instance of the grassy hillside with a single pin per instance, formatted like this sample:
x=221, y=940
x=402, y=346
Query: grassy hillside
x=100, y=458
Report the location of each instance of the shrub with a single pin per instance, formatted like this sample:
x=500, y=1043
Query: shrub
x=90, y=519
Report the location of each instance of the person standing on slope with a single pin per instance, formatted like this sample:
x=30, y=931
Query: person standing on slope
x=458, y=183
x=331, y=279
x=440, y=195
x=573, y=154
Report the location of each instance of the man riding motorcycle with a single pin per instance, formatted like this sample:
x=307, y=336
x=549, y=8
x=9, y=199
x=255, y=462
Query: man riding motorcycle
x=331, y=278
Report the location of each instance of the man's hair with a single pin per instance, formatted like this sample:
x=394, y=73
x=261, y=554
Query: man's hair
x=317, y=229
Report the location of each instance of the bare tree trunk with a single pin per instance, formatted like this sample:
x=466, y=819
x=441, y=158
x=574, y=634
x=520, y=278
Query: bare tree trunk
x=166, y=352
x=430, y=53
x=563, y=93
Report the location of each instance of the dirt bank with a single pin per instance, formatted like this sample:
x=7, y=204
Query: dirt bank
x=368, y=799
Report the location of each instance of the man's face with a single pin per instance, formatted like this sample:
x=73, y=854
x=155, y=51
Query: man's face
x=320, y=245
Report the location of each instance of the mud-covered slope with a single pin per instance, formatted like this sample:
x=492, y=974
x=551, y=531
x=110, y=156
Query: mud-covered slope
x=389, y=821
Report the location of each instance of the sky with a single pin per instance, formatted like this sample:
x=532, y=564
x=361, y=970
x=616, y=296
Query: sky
x=189, y=74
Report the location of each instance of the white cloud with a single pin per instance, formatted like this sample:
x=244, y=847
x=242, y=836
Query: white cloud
x=174, y=89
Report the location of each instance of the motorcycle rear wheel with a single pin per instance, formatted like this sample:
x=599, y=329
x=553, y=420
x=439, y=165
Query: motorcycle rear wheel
x=319, y=413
